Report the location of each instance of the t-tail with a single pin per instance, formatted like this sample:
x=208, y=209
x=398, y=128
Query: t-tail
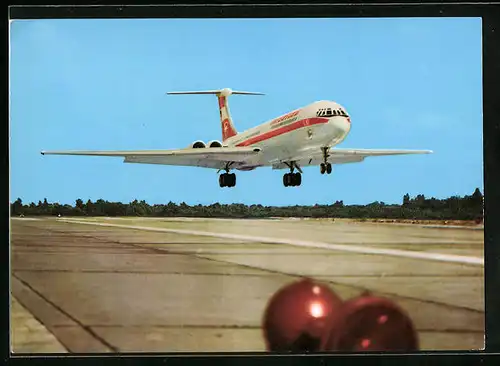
x=226, y=121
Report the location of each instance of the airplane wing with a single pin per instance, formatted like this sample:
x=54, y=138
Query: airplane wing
x=214, y=157
x=343, y=156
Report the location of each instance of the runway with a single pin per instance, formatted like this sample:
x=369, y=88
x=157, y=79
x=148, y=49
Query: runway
x=201, y=285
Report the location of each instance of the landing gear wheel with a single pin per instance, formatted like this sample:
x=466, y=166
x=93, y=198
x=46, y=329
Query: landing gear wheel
x=227, y=180
x=292, y=179
x=328, y=168
x=232, y=180
x=297, y=179
x=285, y=180
x=322, y=168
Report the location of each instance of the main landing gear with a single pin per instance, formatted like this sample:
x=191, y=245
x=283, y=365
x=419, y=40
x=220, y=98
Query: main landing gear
x=325, y=167
x=227, y=179
x=292, y=179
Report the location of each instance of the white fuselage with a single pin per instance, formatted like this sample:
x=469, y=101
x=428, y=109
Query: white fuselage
x=285, y=137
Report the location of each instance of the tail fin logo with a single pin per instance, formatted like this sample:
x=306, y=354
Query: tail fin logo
x=227, y=130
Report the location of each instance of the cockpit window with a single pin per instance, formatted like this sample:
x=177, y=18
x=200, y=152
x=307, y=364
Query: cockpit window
x=324, y=112
x=329, y=112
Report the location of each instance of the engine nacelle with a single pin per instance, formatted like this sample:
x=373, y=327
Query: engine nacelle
x=214, y=143
x=198, y=144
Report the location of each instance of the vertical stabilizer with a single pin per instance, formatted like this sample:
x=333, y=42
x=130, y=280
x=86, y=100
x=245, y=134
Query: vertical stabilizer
x=228, y=129
x=227, y=126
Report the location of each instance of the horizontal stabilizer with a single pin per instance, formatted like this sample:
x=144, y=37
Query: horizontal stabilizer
x=221, y=92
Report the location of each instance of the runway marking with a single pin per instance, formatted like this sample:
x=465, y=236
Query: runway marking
x=303, y=243
x=429, y=226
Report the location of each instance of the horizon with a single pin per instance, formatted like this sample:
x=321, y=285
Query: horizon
x=408, y=83
x=236, y=203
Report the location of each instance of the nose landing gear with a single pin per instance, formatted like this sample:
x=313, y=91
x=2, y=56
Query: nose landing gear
x=325, y=167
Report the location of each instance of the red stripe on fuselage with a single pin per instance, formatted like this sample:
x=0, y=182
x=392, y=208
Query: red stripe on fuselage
x=280, y=131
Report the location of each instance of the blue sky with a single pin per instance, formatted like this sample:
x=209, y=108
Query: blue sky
x=410, y=83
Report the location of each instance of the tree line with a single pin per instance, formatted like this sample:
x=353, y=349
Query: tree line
x=468, y=207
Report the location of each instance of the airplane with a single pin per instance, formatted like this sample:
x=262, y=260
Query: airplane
x=306, y=136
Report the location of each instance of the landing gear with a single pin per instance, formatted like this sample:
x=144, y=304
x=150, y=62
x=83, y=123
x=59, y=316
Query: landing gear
x=227, y=180
x=292, y=179
x=325, y=167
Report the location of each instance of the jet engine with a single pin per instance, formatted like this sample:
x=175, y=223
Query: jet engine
x=214, y=143
x=198, y=144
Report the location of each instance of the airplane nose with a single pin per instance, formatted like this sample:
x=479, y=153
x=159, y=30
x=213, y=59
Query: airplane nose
x=343, y=124
x=340, y=127
x=348, y=120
